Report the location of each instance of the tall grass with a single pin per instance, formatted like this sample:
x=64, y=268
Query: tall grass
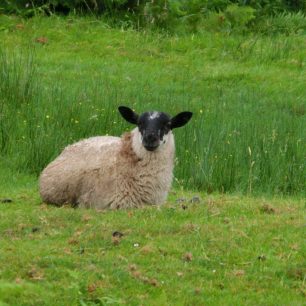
x=243, y=137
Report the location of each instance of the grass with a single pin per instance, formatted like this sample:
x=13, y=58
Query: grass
x=61, y=79
x=67, y=77
x=224, y=250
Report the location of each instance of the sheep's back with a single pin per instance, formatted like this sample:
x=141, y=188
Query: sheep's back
x=63, y=179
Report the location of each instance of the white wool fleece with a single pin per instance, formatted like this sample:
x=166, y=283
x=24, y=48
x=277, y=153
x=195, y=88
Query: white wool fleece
x=110, y=172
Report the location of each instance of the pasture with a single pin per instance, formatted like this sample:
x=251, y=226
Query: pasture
x=231, y=232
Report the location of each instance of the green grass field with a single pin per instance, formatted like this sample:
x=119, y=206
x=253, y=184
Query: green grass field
x=243, y=154
x=63, y=79
x=225, y=250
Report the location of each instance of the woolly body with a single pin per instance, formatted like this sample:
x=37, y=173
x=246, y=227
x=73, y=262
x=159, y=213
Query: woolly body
x=109, y=173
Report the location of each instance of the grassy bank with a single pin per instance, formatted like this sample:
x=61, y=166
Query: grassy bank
x=220, y=250
x=62, y=80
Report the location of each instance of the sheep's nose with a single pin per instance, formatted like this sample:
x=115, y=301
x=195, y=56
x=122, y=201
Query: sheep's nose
x=151, y=137
x=150, y=141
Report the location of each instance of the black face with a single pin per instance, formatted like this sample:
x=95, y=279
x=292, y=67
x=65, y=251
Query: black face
x=154, y=126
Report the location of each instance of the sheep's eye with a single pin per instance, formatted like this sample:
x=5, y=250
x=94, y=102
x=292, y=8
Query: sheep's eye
x=166, y=128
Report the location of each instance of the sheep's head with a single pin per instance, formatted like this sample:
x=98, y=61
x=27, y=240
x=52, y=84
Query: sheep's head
x=154, y=126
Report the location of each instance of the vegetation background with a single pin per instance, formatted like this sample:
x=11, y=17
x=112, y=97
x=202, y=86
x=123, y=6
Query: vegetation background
x=231, y=62
x=176, y=15
x=232, y=230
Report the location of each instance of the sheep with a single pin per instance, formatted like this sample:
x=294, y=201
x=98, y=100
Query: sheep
x=107, y=172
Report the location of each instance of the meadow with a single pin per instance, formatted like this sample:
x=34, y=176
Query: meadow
x=63, y=79
x=222, y=250
x=242, y=157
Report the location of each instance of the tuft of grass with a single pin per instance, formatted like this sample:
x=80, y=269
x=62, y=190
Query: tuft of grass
x=67, y=77
x=287, y=23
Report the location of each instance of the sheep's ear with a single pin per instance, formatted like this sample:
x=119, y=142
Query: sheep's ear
x=180, y=119
x=128, y=114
